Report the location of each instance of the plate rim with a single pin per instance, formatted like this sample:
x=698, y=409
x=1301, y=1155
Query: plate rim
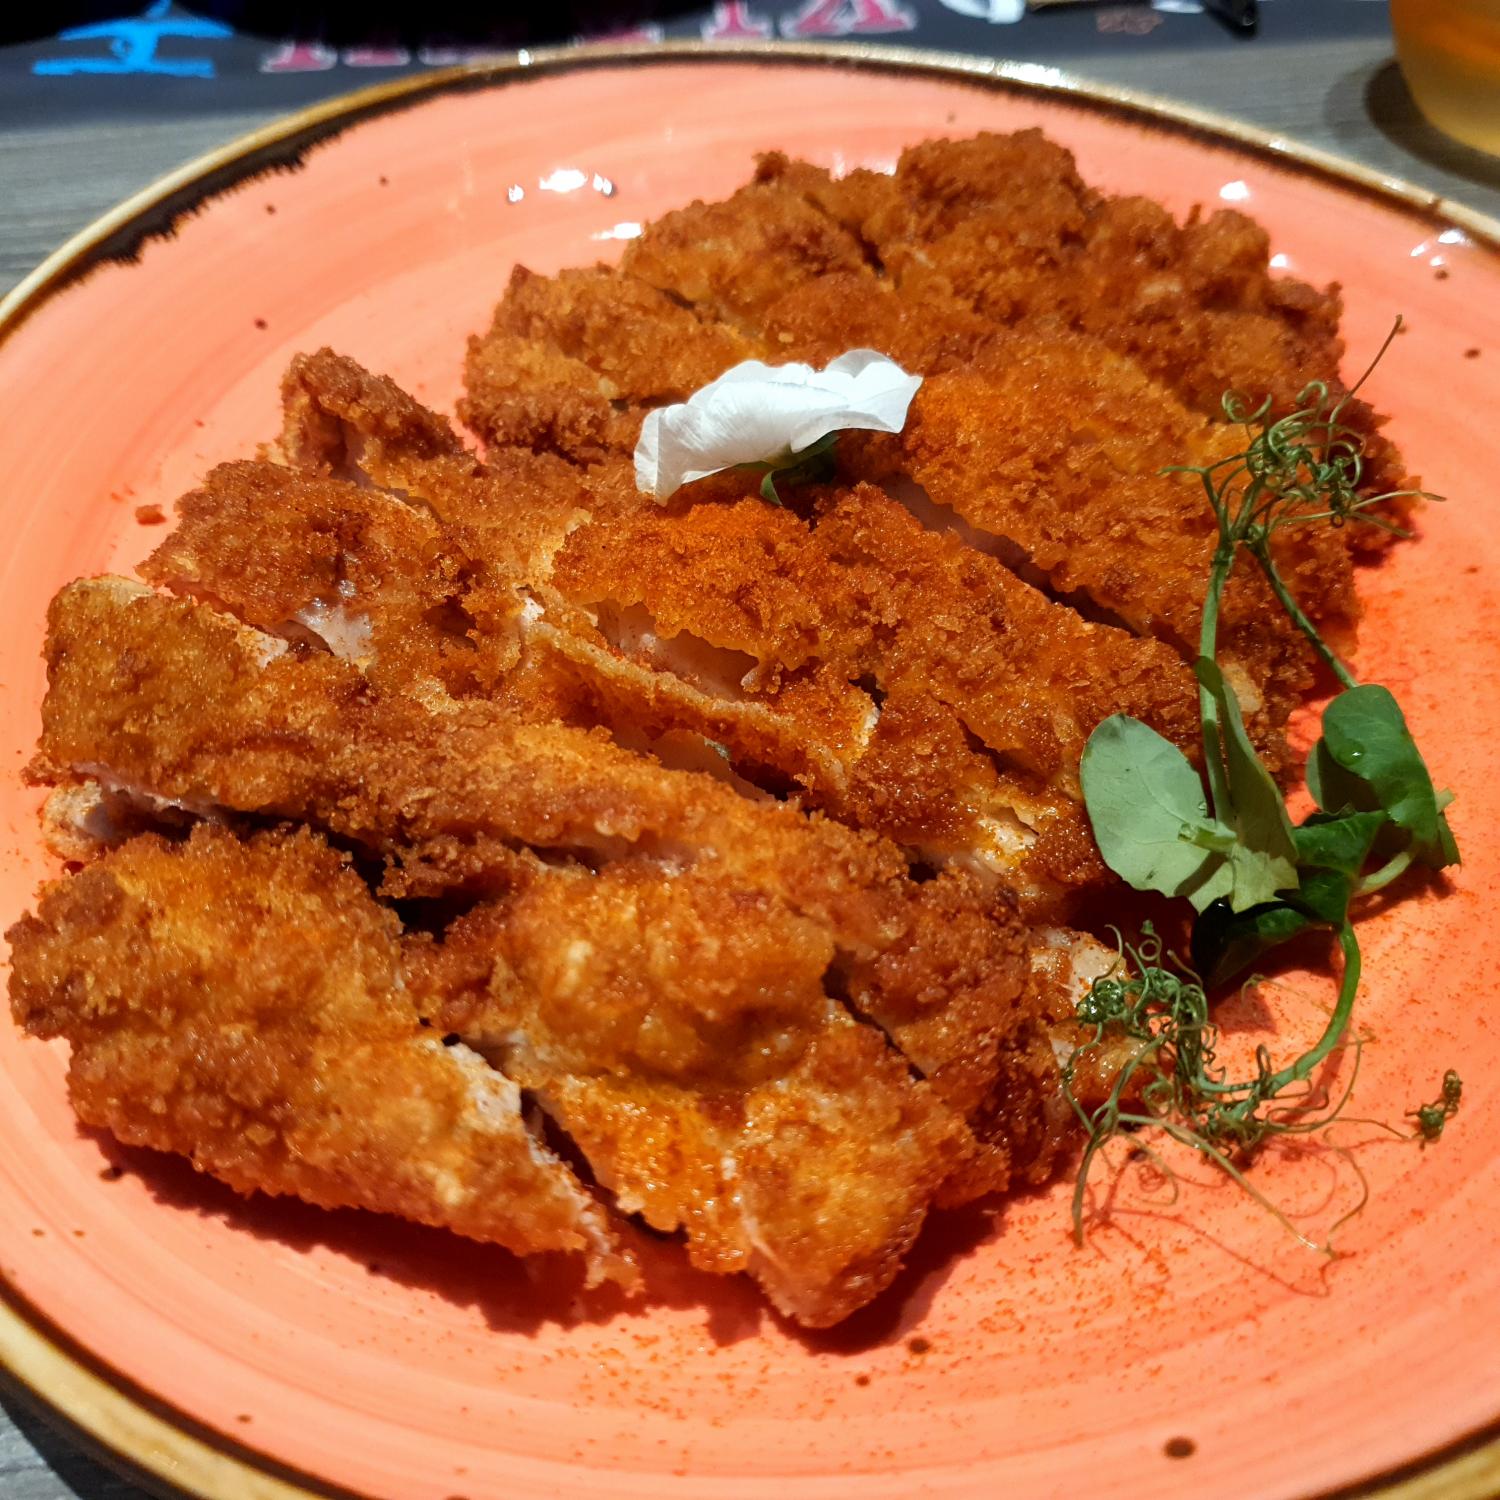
x=100, y=1408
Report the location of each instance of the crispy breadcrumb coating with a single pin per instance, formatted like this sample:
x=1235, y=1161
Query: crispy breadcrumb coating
x=1086, y=503
x=378, y=582
x=243, y=1003
x=696, y=882
x=780, y=636
x=570, y=360
x=1078, y=344
x=680, y=1031
x=733, y=260
x=452, y=798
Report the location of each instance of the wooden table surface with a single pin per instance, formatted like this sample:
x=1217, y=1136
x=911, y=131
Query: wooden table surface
x=1344, y=96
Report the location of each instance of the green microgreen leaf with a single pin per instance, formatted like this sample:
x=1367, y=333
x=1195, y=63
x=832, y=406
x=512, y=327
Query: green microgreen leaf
x=1227, y=943
x=1324, y=896
x=1263, y=859
x=1148, y=811
x=1331, y=853
x=809, y=465
x=1342, y=843
x=1367, y=760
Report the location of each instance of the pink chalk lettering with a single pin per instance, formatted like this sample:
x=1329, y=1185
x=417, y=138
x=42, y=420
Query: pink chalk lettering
x=299, y=57
x=848, y=18
x=376, y=57
x=735, y=22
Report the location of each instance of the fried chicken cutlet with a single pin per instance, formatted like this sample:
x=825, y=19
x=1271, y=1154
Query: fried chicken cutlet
x=682, y=1035
x=732, y=838
x=246, y=1003
x=453, y=799
x=219, y=717
x=991, y=266
x=243, y=1003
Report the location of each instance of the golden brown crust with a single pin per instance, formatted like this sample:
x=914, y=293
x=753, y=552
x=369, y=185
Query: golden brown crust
x=694, y=971
x=243, y=1003
x=378, y=582
x=450, y=798
x=732, y=260
x=570, y=360
x=679, y=1028
x=1086, y=503
x=1029, y=677
x=767, y=632
x=321, y=388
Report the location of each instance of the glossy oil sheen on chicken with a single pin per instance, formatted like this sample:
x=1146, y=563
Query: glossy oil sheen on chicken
x=477, y=840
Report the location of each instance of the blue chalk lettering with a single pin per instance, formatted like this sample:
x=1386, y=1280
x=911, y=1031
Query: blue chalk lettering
x=132, y=45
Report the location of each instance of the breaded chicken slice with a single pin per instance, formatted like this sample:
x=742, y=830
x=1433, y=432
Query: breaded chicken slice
x=734, y=599
x=173, y=702
x=568, y=652
x=996, y=688
x=342, y=422
x=735, y=624
x=817, y=321
x=1003, y=225
x=989, y=692
x=243, y=1003
x=512, y=513
x=741, y=575
x=1006, y=224
x=678, y=1028
x=379, y=582
x=1029, y=677
x=816, y=1184
x=926, y=782
x=732, y=260
x=863, y=600
x=570, y=361
x=1083, y=502
x=1016, y=203
x=713, y=635
x=179, y=701
x=1198, y=306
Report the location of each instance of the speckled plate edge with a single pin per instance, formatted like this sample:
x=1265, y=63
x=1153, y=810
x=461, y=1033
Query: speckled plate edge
x=162, y=1448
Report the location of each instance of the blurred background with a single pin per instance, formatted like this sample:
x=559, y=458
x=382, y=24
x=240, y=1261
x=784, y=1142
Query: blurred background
x=99, y=97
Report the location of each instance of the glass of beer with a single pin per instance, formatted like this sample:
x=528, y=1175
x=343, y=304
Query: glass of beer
x=1450, y=53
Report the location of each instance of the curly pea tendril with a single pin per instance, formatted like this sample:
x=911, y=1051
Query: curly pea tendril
x=1147, y=1023
x=1431, y=1118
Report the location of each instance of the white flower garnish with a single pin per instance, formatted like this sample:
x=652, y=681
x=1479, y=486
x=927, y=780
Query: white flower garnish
x=769, y=415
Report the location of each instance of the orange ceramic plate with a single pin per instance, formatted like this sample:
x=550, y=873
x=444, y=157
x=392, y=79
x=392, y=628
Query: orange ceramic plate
x=1190, y=1347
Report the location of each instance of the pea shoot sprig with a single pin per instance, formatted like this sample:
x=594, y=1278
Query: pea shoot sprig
x=1254, y=879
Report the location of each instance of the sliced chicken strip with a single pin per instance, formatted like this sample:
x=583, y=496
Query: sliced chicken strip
x=1085, y=504
x=680, y=1032
x=732, y=260
x=380, y=582
x=571, y=361
x=243, y=1004
x=1004, y=225
x=724, y=621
